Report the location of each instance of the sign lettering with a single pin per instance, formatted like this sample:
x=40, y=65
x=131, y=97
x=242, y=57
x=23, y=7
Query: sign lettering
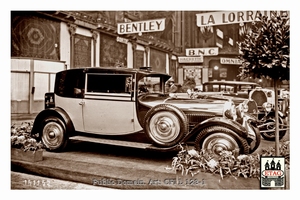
x=230, y=17
x=230, y=61
x=202, y=51
x=198, y=59
x=122, y=40
x=141, y=26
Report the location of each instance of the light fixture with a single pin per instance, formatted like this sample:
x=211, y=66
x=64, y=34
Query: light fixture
x=216, y=67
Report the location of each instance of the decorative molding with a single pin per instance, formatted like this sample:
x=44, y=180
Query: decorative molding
x=134, y=45
x=94, y=35
x=72, y=29
x=147, y=49
x=207, y=32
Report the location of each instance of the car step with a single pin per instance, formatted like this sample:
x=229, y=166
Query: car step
x=112, y=142
x=130, y=144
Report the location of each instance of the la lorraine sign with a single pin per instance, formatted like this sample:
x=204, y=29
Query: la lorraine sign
x=230, y=17
x=141, y=26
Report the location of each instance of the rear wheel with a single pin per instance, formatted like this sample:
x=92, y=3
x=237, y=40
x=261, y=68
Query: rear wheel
x=53, y=134
x=165, y=125
x=216, y=139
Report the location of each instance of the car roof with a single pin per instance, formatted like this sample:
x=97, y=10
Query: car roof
x=231, y=83
x=142, y=71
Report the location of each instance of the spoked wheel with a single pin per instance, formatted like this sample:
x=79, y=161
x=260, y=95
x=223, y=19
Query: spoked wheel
x=269, y=127
x=165, y=125
x=54, y=135
x=217, y=139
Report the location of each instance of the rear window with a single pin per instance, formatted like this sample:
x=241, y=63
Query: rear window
x=70, y=84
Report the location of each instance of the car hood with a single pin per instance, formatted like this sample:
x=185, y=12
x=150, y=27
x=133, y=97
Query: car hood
x=236, y=100
x=186, y=104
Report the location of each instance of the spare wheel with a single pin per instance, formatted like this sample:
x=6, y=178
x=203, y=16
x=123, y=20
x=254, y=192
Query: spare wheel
x=165, y=125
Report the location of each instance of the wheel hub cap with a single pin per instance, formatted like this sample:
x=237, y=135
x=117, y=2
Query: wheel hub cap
x=219, y=142
x=52, y=135
x=164, y=127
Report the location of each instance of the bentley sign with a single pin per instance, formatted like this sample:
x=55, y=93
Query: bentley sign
x=141, y=26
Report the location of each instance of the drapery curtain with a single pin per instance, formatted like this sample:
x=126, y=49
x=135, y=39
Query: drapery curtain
x=112, y=53
x=34, y=37
x=158, y=60
x=82, y=51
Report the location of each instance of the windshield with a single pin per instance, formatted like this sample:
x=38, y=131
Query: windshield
x=150, y=84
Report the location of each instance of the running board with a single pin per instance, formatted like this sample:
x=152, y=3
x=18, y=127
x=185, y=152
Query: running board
x=122, y=143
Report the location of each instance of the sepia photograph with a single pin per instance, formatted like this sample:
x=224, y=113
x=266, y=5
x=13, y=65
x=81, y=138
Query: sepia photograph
x=150, y=99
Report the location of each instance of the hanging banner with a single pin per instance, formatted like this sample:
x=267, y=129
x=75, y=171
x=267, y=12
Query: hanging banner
x=141, y=26
x=231, y=17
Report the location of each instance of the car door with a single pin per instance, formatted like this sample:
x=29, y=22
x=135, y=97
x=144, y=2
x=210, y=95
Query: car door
x=108, y=105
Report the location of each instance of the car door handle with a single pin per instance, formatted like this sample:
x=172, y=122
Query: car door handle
x=81, y=103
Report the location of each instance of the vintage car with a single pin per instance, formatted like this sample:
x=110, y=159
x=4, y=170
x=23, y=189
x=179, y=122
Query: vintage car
x=264, y=99
x=230, y=88
x=130, y=107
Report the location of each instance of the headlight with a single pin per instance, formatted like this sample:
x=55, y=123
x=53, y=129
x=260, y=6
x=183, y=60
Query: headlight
x=230, y=110
x=267, y=106
x=242, y=108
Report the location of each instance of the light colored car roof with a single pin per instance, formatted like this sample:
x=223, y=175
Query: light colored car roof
x=232, y=83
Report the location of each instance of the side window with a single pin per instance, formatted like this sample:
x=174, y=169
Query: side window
x=70, y=84
x=109, y=83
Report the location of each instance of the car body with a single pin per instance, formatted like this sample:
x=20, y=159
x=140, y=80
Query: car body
x=230, y=88
x=132, y=106
x=261, y=102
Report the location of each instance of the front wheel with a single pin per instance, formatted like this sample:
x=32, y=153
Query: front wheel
x=216, y=139
x=53, y=134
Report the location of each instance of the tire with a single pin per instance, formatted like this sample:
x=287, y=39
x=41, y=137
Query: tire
x=165, y=125
x=216, y=139
x=258, y=139
x=270, y=136
x=53, y=134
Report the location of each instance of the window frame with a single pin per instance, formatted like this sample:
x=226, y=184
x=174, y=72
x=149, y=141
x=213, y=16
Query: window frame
x=116, y=94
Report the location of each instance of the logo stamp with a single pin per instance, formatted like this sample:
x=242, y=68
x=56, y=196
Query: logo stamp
x=272, y=172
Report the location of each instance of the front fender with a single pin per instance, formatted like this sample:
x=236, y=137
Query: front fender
x=56, y=112
x=219, y=121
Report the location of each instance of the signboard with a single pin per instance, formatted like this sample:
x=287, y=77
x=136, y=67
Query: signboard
x=230, y=61
x=272, y=172
x=122, y=40
x=141, y=26
x=230, y=17
x=213, y=51
x=198, y=59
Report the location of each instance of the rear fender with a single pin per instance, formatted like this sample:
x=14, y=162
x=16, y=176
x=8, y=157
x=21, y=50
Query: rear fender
x=219, y=121
x=57, y=112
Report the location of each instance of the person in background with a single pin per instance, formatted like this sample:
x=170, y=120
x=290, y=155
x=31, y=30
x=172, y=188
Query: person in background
x=173, y=88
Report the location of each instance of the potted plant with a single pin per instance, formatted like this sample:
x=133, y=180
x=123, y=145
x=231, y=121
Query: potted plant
x=24, y=146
